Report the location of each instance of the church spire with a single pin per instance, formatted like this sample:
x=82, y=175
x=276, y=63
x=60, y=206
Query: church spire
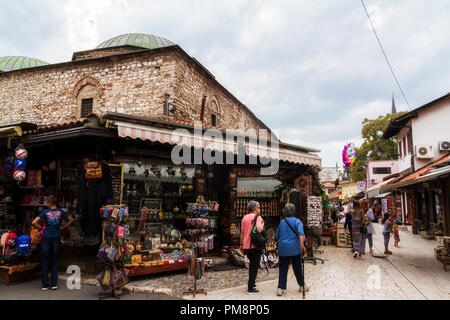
x=393, y=105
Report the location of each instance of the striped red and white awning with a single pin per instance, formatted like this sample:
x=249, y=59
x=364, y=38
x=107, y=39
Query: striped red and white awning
x=212, y=142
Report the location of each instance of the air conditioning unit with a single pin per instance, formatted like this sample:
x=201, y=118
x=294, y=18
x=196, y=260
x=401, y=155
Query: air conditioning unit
x=424, y=152
x=444, y=146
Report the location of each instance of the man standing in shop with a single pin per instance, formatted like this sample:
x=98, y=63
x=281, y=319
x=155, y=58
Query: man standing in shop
x=251, y=219
x=51, y=238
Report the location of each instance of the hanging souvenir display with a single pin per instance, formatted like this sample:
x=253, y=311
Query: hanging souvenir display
x=19, y=175
x=349, y=154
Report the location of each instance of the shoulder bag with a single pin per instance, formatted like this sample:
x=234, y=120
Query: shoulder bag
x=258, y=239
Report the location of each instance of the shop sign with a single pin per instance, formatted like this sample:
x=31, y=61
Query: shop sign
x=361, y=186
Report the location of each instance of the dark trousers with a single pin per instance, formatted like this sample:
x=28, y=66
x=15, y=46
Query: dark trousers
x=49, y=255
x=254, y=255
x=284, y=268
x=349, y=225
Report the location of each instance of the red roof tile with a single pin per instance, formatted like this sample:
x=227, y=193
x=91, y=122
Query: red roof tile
x=424, y=170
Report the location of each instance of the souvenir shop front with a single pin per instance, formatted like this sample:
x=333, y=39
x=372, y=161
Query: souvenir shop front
x=125, y=192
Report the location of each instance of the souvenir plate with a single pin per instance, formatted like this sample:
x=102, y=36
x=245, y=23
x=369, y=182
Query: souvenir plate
x=175, y=234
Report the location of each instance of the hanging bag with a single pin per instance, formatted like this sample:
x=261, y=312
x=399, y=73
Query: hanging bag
x=258, y=239
x=35, y=236
x=94, y=170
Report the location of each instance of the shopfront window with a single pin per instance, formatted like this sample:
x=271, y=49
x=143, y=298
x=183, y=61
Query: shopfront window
x=262, y=189
x=164, y=190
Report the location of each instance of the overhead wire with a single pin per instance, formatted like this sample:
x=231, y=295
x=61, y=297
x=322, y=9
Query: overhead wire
x=385, y=56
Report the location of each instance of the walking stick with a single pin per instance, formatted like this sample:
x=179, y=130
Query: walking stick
x=303, y=272
x=264, y=259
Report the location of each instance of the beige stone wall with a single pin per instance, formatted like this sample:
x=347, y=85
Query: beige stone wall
x=192, y=84
x=134, y=84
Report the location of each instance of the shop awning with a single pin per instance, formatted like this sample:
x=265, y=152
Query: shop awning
x=383, y=195
x=216, y=143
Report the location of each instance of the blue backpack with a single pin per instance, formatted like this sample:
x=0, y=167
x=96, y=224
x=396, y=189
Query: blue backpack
x=23, y=245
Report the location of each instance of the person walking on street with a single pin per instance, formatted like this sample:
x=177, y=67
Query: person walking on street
x=349, y=221
x=370, y=229
x=387, y=229
x=334, y=215
x=251, y=219
x=290, y=238
x=396, y=235
x=356, y=216
x=51, y=238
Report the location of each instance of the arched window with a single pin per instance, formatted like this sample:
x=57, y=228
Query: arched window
x=214, y=112
x=87, y=94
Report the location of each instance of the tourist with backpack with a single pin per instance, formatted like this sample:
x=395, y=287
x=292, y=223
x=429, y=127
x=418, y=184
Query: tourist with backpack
x=51, y=238
x=252, y=241
x=290, y=238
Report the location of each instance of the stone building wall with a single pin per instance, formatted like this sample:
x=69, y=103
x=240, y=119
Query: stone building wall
x=134, y=84
x=192, y=84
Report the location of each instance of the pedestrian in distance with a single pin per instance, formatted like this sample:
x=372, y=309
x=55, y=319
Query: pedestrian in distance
x=291, y=240
x=251, y=220
x=356, y=229
x=395, y=234
x=51, y=239
x=370, y=229
x=387, y=229
x=334, y=215
x=349, y=221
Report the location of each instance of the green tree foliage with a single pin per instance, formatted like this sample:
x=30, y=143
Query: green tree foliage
x=373, y=147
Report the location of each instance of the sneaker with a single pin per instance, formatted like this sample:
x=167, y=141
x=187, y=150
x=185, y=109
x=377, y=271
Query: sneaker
x=44, y=288
x=280, y=292
x=300, y=288
x=54, y=287
x=387, y=252
x=253, y=291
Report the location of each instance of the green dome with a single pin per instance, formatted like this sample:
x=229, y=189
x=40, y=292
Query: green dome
x=142, y=40
x=12, y=63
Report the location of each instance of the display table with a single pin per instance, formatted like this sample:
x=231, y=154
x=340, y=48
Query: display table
x=10, y=274
x=141, y=269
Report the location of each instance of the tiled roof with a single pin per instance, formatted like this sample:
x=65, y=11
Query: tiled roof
x=56, y=127
x=424, y=170
x=61, y=126
x=402, y=180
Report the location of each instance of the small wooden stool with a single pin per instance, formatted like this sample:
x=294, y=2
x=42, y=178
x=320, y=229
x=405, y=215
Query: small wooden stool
x=325, y=241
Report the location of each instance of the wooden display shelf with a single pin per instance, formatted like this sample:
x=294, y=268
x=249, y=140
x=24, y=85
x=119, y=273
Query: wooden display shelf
x=10, y=274
x=144, y=270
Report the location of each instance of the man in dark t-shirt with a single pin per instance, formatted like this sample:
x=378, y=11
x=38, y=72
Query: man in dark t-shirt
x=51, y=238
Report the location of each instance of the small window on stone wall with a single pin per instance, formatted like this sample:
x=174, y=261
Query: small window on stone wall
x=213, y=120
x=86, y=107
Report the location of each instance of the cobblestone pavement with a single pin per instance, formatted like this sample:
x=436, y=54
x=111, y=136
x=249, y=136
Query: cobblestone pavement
x=411, y=272
x=210, y=281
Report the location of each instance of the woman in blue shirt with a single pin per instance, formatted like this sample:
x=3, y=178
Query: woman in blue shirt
x=290, y=247
x=51, y=238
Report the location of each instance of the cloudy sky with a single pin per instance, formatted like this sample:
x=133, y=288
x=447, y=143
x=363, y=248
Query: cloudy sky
x=310, y=68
